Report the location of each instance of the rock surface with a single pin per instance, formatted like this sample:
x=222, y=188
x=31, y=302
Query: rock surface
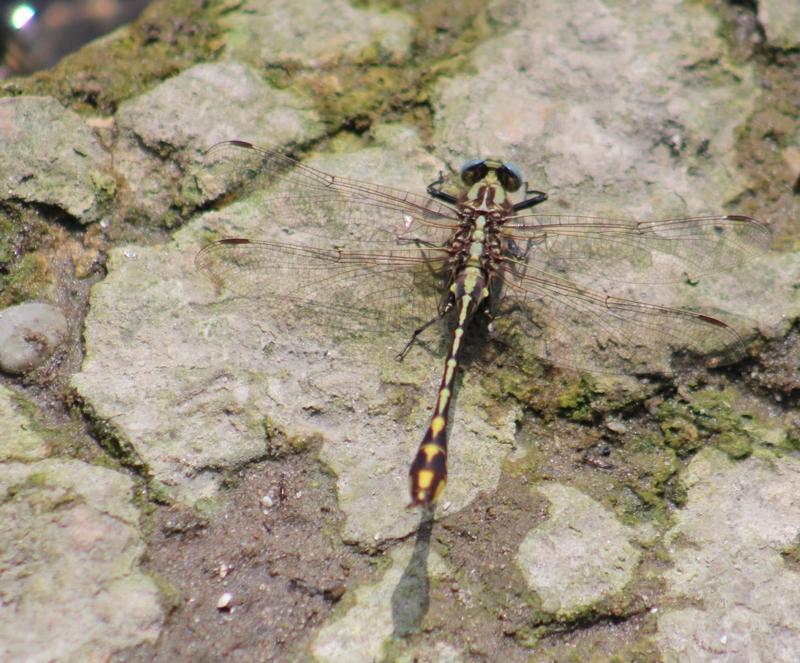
x=580, y=556
x=316, y=35
x=740, y=599
x=208, y=406
x=70, y=541
x=189, y=113
x=608, y=117
x=781, y=21
x=19, y=443
x=621, y=111
x=364, y=630
x=50, y=156
x=70, y=549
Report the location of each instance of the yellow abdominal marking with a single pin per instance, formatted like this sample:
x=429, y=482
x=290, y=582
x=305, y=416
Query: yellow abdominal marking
x=424, y=480
x=444, y=396
x=436, y=427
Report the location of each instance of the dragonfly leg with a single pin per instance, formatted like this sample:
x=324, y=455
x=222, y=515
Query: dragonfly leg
x=516, y=252
x=435, y=189
x=520, y=265
x=418, y=242
x=445, y=310
x=492, y=314
x=532, y=197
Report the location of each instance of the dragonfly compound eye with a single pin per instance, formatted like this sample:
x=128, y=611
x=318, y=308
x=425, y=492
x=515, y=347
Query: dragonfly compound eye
x=510, y=176
x=473, y=171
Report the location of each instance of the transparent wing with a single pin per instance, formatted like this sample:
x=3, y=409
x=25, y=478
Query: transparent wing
x=348, y=254
x=353, y=289
x=295, y=195
x=578, y=327
x=365, y=256
x=630, y=251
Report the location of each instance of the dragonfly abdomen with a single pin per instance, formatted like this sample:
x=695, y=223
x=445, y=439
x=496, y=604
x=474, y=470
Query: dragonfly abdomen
x=428, y=473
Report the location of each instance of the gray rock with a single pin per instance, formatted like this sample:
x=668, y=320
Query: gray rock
x=191, y=112
x=364, y=630
x=17, y=440
x=200, y=399
x=613, y=113
x=51, y=157
x=217, y=101
x=199, y=372
x=327, y=33
x=736, y=598
x=580, y=556
x=781, y=22
x=69, y=550
x=608, y=107
x=593, y=100
x=29, y=334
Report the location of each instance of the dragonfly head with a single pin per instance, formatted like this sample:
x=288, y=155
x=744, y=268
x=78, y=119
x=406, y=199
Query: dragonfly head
x=508, y=174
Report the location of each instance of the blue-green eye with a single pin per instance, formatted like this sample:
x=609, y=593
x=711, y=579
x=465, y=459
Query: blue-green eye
x=510, y=176
x=473, y=171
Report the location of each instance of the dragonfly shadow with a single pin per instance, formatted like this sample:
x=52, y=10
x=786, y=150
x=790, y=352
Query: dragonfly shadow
x=411, y=597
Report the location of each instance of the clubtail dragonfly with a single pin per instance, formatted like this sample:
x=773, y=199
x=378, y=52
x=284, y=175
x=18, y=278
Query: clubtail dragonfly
x=356, y=253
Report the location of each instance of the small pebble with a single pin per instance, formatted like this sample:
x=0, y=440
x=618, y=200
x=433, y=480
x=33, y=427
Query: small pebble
x=224, y=602
x=335, y=593
x=616, y=426
x=29, y=333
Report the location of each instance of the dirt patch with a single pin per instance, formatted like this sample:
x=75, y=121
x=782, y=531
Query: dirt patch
x=272, y=593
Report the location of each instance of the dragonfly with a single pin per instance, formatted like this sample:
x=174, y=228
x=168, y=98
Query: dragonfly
x=351, y=255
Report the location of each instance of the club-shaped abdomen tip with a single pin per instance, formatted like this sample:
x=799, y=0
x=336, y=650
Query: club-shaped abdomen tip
x=428, y=475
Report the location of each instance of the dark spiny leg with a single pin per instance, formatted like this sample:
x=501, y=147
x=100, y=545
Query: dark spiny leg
x=416, y=241
x=424, y=243
x=401, y=355
x=435, y=189
x=520, y=257
x=517, y=253
x=536, y=198
x=518, y=266
x=420, y=243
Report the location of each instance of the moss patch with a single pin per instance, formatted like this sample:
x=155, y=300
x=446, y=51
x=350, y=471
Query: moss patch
x=709, y=416
x=280, y=444
x=24, y=269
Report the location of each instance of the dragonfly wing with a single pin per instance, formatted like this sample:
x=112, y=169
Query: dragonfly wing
x=577, y=327
x=309, y=198
x=630, y=251
x=341, y=289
